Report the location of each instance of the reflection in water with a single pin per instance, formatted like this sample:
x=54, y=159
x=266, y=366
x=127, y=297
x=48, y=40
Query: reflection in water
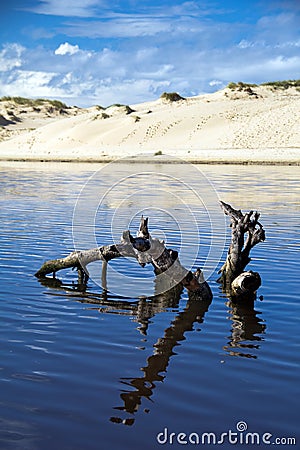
x=157, y=363
x=246, y=328
x=86, y=357
x=143, y=309
x=147, y=309
x=246, y=333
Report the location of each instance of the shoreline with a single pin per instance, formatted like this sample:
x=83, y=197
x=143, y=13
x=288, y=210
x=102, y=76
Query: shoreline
x=156, y=160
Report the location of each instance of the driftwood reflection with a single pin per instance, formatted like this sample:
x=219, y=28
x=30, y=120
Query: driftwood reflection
x=247, y=328
x=159, y=303
x=141, y=310
x=156, y=365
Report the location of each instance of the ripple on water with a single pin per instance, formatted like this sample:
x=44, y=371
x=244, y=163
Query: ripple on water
x=68, y=366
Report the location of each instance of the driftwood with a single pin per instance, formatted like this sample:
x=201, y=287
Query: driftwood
x=145, y=249
x=238, y=283
x=247, y=231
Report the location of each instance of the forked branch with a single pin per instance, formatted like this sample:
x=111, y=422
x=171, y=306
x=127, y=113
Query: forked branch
x=246, y=232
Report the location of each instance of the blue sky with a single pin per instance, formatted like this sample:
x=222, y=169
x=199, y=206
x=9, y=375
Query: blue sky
x=87, y=52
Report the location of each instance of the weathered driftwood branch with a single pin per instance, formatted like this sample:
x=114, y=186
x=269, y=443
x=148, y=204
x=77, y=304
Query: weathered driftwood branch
x=144, y=248
x=128, y=247
x=247, y=231
x=246, y=282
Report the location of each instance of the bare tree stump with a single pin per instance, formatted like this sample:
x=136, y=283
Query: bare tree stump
x=245, y=283
x=247, y=231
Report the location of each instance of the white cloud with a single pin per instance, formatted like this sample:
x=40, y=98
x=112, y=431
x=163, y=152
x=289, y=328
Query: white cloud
x=129, y=26
x=67, y=49
x=288, y=44
x=245, y=44
x=143, y=54
x=66, y=8
x=281, y=64
x=25, y=83
x=10, y=57
x=279, y=20
x=132, y=75
x=141, y=89
x=153, y=52
x=260, y=69
x=216, y=83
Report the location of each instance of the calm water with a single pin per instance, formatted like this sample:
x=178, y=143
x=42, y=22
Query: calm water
x=89, y=372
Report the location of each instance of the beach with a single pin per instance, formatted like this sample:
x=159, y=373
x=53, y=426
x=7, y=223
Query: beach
x=258, y=125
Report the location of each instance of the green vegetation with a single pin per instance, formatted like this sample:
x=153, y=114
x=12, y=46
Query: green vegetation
x=158, y=153
x=128, y=109
x=119, y=105
x=231, y=85
x=101, y=116
x=35, y=102
x=171, y=96
x=282, y=84
x=240, y=85
x=285, y=84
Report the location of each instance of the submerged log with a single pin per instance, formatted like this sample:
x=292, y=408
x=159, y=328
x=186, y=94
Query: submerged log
x=144, y=248
x=247, y=231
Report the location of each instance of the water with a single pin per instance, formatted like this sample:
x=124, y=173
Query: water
x=89, y=372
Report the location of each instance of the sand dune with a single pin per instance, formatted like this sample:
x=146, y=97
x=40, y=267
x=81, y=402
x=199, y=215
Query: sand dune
x=230, y=125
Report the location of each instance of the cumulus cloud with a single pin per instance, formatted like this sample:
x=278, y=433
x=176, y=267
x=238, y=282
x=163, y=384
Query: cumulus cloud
x=24, y=83
x=11, y=57
x=130, y=75
x=66, y=49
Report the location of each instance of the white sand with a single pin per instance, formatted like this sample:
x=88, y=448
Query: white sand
x=222, y=127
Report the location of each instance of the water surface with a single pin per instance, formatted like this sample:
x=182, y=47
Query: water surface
x=88, y=371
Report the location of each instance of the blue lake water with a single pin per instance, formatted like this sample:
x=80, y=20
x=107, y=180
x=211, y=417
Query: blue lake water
x=85, y=371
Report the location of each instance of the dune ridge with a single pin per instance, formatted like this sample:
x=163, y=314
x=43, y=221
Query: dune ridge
x=245, y=125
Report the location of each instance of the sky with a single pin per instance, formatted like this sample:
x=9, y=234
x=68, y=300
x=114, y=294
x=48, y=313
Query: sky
x=100, y=52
